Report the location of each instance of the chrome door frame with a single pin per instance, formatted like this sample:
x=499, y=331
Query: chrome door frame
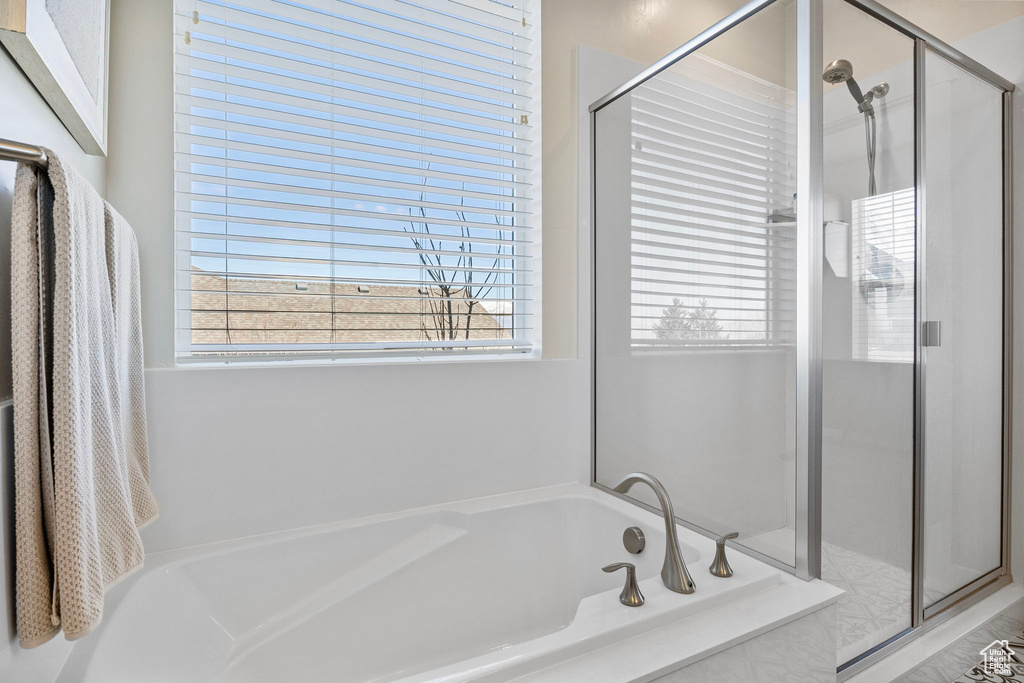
x=923, y=612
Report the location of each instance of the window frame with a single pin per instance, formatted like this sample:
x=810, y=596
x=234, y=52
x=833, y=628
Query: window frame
x=527, y=344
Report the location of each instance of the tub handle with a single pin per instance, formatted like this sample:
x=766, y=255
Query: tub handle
x=720, y=567
x=630, y=595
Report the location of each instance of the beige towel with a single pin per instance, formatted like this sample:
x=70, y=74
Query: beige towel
x=81, y=462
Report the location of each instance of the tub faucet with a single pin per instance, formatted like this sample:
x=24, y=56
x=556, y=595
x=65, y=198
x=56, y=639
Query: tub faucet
x=673, y=573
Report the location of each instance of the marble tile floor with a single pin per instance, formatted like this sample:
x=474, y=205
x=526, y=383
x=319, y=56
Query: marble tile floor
x=875, y=605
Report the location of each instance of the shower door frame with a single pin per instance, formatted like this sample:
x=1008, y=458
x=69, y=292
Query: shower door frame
x=810, y=159
x=807, y=556
x=810, y=144
x=921, y=611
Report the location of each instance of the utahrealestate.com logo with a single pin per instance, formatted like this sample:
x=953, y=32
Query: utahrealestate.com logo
x=997, y=658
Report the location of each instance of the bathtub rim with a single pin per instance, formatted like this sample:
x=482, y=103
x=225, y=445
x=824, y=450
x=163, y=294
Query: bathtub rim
x=775, y=605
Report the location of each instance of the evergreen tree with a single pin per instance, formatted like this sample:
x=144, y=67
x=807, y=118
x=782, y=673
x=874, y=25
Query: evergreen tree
x=679, y=323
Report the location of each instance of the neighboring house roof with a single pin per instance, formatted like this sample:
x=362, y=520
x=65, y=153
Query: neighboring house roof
x=285, y=311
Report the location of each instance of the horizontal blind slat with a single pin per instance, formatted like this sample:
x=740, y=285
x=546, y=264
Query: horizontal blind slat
x=205, y=169
x=209, y=74
x=230, y=151
x=183, y=198
x=206, y=90
x=186, y=183
x=186, y=274
x=303, y=21
x=270, y=241
x=643, y=182
x=260, y=35
x=341, y=229
x=339, y=262
x=752, y=170
x=324, y=153
x=210, y=55
x=330, y=117
x=691, y=171
x=711, y=168
x=730, y=141
x=330, y=136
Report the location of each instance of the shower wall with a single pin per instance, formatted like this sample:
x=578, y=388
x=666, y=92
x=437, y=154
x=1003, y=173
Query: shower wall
x=867, y=408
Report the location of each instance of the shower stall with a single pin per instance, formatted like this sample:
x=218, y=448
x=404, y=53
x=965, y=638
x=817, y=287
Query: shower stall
x=801, y=268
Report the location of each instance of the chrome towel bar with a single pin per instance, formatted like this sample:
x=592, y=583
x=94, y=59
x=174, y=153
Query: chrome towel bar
x=19, y=151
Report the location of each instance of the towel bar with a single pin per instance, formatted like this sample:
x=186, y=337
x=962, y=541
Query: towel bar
x=19, y=151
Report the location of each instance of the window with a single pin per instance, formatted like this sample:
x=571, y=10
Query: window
x=354, y=177
x=883, y=271
x=713, y=222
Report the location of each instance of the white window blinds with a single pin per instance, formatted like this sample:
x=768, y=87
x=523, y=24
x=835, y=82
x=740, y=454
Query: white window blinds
x=883, y=244
x=713, y=228
x=354, y=177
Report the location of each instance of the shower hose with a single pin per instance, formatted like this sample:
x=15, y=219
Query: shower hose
x=869, y=135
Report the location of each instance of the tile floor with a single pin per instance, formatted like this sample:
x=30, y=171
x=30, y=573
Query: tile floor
x=876, y=603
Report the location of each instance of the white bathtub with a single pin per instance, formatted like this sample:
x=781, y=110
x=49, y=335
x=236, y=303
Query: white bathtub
x=487, y=589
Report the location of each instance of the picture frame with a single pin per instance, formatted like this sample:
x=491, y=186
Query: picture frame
x=63, y=48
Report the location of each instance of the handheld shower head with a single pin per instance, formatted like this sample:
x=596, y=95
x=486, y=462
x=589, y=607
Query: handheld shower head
x=840, y=71
x=837, y=72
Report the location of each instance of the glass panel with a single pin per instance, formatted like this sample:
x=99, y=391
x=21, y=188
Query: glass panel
x=868, y=317
x=963, y=292
x=695, y=248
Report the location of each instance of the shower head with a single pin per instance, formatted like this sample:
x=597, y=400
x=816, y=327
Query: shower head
x=841, y=71
x=838, y=71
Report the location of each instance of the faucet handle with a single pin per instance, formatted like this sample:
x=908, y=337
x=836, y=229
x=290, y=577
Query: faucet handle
x=720, y=567
x=630, y=595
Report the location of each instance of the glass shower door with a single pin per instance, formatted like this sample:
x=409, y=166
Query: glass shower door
x=868, y=306
x=695, y=284
x=961, y=332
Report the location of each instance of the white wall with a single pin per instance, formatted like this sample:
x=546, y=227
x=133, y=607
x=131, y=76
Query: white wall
x=243, y=451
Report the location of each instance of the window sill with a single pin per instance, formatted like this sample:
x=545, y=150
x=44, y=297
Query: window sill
x=208, y=363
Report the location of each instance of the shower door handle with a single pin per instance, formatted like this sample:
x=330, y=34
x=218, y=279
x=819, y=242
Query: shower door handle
x=931, y=333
